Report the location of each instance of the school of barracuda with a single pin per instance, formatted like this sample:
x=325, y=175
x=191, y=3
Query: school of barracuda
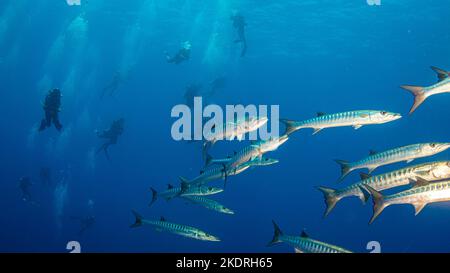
x=428, y=182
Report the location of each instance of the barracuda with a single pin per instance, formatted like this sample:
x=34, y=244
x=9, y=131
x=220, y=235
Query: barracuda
x=208, y=203
x=178, y=229
x=303, y=244
x=405, y=153
x=249, y=153
x=422, y=93
x=233, y=130
x=422, y=194
x=429, y=171
x=357, y=119
x=216, y=173
x=184, y=190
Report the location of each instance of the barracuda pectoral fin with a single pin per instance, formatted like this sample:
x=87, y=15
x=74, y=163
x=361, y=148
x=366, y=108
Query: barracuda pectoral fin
x=356, y=127
x=240, y=137
x=409, y=161
x=419, y=182
x=419, y=206
x=317, y=130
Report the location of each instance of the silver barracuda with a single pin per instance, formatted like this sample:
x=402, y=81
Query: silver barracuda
x=304, y=244
x=208, y=203
x=405, y=153
x=429, y=171
x=422, y=194
x=184, y=190
x=422, y=93
x=232, y=130
x=356, y=119
x=249, y=153
x=185, y=231
x=216, y=173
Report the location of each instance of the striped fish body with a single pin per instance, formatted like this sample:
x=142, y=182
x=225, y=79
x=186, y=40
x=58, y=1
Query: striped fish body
x=210, y=174
x=209, y=204
x=245, y=155
x=182, y=230
x=357, y=119
x=200, y=191
x=405, y=153
x=307, y=245
x=420, y=196
x=429, y=171
x=438, y=88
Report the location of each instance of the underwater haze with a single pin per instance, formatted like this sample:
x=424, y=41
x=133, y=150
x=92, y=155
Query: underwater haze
x=108, y=58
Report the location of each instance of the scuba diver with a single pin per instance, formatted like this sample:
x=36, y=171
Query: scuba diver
x=183, y=54
x=217, y=84
x=239, y=24
x=111, y=88
x=24, y=186
x=192, y=91
x=85, y=223
x=112, y=134
x=51, y=107
x=46, y=177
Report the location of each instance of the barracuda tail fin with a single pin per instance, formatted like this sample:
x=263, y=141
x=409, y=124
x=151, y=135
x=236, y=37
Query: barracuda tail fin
x=378, y=202
x=345, y=168
x=291, y=126
x=276, y=234
x=419, y=96
x=138, y=221
x=330, y=199
x=442, y=74
x=154, y=196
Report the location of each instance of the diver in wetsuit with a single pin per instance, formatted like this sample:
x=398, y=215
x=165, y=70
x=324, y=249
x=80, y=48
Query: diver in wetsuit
x=46, y=177
x=52, y=108
x=24, y=186
x=112, y=134
x=239, y=24
x=192, y=91
x=183, y=54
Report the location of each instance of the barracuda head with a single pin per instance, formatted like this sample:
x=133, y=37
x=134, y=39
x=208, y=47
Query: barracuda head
x=226, y=210
x=434, y=147
x=434, y=171
x=212, y=190
x=200, y=235
x=272, y=144
x=384, y=116
x=253, y=123
x=267, y=161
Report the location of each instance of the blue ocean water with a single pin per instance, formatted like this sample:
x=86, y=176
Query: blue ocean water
x=306, y=56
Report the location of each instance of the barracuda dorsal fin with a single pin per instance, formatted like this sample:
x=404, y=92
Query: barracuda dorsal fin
x=364, y=176
x=419, y=207
x=304, y=234
x=162, y=219
x=373, y=152
x=441, y=73
x=169, y=186
x=321, y=114
x=420, y=182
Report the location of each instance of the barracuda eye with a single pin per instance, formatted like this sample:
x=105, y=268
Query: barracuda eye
x=384, y=113
x=433, y=145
